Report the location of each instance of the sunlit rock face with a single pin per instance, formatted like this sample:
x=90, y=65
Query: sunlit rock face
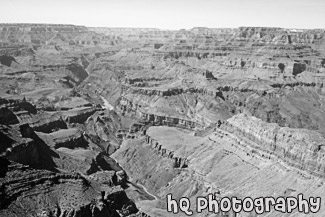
x=220, y=162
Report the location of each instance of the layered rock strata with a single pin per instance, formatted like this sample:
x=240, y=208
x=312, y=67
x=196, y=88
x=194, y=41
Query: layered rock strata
x=58, y=194
x=299, y=148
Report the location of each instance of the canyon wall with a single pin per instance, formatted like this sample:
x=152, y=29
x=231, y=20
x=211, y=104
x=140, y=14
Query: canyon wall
x=299, y=148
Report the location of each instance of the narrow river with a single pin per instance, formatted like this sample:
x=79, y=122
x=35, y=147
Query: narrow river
x=139, y=187
x=107, y=105
x=136, y=186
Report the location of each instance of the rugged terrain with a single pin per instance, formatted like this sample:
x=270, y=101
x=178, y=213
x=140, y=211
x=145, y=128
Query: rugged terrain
x=108, y=121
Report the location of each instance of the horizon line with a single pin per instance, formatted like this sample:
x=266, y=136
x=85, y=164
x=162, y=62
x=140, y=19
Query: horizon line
x=159, y=28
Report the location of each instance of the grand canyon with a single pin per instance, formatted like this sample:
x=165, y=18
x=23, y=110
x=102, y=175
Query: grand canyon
x=109, y=121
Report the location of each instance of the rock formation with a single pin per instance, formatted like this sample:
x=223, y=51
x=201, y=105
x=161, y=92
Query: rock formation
x=296, y=147
x=42, y=192
x=108, y=121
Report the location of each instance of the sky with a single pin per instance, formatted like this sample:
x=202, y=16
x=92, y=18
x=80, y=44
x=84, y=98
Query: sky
x=167, y=14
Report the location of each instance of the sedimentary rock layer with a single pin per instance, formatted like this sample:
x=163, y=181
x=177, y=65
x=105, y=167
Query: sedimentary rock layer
x=303, y=149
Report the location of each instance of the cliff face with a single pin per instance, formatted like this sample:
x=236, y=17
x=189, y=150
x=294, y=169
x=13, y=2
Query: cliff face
x=78, y=115
x=286, y=36
x=299, y=148
x=143, y=162
x=58, y=194
x=128, y=107
x=41, y=34
x=56, y=187
x=179, y=162
x=161, y=162
x=178, y=85
x=78, y=71
x=102, y=128
x=47, y=122
x=69, y=138
x=23, y=145
x=41, y=27
x=223, y=161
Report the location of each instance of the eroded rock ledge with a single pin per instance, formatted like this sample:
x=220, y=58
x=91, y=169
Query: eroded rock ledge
x=125, y=105
x=69, y=138
x=299, y=148
x=65, y=194
x=78, y=115
x=179, y=162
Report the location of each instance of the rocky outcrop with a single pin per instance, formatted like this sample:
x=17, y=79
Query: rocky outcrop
x=78, y=71
x=25, y=152
x=46, y=122
x=51, y=34
x=174, y=91
x=11, y=27
x=280, y=35
x=294, y=84
x=15, y=50
x=142, y=163
x=198, y=54
x=18, y=105
x=179, y=162
x=78, y=115
x=299, y=148
x=163, y=171
x=65, y=194
x=141, y=80
x=102, y=162
x=127, y=106
x=101, y=128
x=77, y=75
x=68, y=138
x=23, y=145
x=150, y=92
x=208, y=130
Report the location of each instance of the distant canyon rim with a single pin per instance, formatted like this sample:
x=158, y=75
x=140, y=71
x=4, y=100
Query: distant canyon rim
x=109, y=121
